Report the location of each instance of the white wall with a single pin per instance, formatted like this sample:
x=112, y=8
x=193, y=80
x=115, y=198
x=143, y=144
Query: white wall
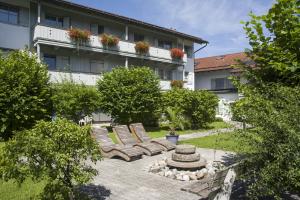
x=203, y=79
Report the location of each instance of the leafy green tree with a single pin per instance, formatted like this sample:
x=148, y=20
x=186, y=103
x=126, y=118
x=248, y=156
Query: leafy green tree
x=25, y=92
x=275, y=42
x=271, y=101
x=131, y=95
x=74, y=101
x=52, y=151
x=198, y=106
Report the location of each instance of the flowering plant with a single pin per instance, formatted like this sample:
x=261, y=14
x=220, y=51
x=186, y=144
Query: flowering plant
x=109, y=40
x=79, y=36
x=142, y=47
x=177, y=53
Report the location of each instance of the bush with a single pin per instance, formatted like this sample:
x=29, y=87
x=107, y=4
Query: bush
x=131, y=95
x=74, y=101
x=274, y=111
x=198, y=106
x=25, y=92
x=52, y=151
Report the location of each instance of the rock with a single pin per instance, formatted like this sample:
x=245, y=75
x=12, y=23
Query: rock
x=174, y=171
x=193, y=177
x=179, y=177
x=209, y=165
x=211, y=172
x=185, y=178
x=162, y=163
x=203, y=172
x=161, y=173
x=155, y=169
x=168, y=173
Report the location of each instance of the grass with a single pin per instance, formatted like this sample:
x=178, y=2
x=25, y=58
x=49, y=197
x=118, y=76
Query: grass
x=224, y=141
x=163, y=131
x=27, y=190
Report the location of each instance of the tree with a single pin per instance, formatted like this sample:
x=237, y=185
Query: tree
x=271, y=101
x=198, y=106
x=131, y=95
x=52, y=151
x=25, y=92
x=74, y=101
x=275, y=42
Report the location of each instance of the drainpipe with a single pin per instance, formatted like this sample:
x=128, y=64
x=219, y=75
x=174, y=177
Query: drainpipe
x=39, y=13
x=200, y=48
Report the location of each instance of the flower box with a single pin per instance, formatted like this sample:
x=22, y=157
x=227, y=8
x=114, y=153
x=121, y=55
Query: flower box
x=79, y=36
x=109, y=40
x=177, y=53
x=142, y=47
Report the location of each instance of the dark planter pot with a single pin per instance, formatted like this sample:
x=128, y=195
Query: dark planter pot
x=172, y=138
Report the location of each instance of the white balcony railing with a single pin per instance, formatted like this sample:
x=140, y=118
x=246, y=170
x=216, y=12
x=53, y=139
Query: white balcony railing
x=60, y=37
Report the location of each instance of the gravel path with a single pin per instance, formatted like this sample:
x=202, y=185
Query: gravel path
x=118, y=179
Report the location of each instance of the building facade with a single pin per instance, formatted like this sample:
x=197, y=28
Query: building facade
x=42, y=25
x=213, y=74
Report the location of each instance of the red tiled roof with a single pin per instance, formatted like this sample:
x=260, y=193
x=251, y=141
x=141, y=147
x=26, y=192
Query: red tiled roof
x=219, y=62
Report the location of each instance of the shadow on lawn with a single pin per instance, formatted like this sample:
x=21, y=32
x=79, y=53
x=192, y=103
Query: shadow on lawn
x=96, y=192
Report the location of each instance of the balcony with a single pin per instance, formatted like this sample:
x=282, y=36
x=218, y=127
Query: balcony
x=59, y=37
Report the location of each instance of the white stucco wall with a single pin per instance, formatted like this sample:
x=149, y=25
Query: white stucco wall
x=203, y=79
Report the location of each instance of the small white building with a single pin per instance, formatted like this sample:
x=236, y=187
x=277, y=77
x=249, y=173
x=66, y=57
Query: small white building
x=212, y=73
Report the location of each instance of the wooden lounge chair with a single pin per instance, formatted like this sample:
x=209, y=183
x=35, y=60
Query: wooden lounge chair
x=139, y=131
x=125, y=137
x=109, y=149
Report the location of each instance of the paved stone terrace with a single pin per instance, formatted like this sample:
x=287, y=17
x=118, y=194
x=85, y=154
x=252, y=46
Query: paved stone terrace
x=118, y=179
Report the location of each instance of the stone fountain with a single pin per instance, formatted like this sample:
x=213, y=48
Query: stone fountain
x=185, y=157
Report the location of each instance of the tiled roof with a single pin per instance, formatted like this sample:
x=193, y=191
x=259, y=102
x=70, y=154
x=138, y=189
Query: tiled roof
x=219, y=62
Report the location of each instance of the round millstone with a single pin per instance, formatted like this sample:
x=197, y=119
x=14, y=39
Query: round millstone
x=186, y=157
x=185, y=149
x=187, y=165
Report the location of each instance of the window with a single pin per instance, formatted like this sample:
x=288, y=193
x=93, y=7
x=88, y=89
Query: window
x=161, y=74
x=100, y=29
x=221, y=84
x=169, y=75
x=189, y=51
x=54, y=21
x=9, y=14
x=138, y=37
x=50, y=60
x=97, y=67
x=164, y=44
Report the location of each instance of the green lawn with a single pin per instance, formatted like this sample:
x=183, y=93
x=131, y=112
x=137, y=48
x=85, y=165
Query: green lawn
x=28, y=190
x=162, y=131
x=223, y=141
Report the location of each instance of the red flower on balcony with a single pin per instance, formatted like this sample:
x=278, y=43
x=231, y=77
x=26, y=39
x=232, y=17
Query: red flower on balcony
x=142, y=47
x=79, y=36
x=109, y=40
x=177, y=53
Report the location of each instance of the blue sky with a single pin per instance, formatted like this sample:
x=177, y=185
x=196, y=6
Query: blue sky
x=217, y=21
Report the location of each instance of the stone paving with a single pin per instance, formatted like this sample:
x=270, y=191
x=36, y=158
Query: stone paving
x=120, y=180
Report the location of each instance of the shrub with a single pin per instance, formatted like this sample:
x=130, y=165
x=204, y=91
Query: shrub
x=130, y=95
x=177, y=53
x=177, y=84
x=52, y=151
x=176, y=120
x=25, y=92
x=274, y=111
x=79, y=36
x=74, y=101
x=142, y=47
x=198, y=106
x=109, y=40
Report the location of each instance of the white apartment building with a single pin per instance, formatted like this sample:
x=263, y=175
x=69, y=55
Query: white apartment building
x=43, y=26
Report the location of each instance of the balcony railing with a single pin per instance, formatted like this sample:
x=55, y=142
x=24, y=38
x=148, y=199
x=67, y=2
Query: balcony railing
x=90, y=79
x=60, y=37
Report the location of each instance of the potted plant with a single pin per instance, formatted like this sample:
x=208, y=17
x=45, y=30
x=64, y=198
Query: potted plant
x=176, y=121
x=177, y=53
x=142, y=47
x=81, y=37
x=177, y=84
x=109, y=40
